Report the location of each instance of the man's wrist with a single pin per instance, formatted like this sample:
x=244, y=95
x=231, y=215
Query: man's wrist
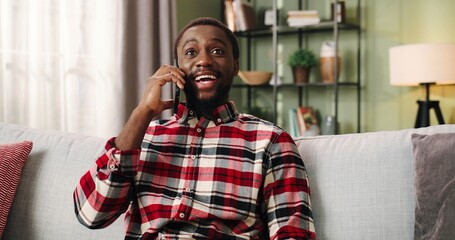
x=134, y=130
x=144, y=112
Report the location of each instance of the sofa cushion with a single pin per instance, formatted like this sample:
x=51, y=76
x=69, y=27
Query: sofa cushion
x=43, y=207
x=362, y=185
x=12, y=159
x=434, y=157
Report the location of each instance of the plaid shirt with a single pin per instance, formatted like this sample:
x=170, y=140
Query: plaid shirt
x=233, y=177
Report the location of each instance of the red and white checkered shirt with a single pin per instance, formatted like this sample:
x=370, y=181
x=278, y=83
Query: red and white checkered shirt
x=232, y=177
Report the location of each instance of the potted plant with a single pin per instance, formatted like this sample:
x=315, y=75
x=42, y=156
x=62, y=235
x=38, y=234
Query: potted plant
x=301, y=62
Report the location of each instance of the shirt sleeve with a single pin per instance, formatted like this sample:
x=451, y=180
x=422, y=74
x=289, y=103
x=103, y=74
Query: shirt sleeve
x=103, y=192
x=287, y=192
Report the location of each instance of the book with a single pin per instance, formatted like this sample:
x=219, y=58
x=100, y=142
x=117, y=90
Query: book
x=303, y=121
x=297, y=18
x=300, y=122
x=229, y=14
x=303, y=14
x=302, y=22
x=311, y=121
x=293, y=128
x=244, y=15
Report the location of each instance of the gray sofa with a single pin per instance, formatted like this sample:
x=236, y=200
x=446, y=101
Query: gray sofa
x=362, y=184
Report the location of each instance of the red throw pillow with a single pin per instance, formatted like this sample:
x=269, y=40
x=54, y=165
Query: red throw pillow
x=12, y=160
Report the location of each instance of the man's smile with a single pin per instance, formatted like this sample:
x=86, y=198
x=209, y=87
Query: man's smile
x=205, y=78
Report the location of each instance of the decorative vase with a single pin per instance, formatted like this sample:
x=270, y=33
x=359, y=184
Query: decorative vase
x=327, y=62
x=301, y=74
x=327, y=67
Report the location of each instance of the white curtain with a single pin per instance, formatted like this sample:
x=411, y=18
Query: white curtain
x=64, y=65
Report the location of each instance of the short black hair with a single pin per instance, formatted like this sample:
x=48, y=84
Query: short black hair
x=212, y=22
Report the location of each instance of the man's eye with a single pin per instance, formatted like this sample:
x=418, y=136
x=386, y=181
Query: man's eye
x=217, y=51
x=190, y=53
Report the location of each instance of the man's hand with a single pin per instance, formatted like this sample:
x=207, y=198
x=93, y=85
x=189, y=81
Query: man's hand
x=151, y=105
x=151, y=100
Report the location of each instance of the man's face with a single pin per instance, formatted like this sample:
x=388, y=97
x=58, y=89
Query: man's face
x=205, y=55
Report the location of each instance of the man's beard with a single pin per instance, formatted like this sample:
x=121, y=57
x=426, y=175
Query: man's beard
x=206, y=106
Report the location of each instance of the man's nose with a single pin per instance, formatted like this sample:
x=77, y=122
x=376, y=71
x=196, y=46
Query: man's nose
x=204, y=59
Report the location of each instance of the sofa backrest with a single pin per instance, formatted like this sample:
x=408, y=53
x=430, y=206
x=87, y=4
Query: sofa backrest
x=362, y=185
x=43, y=205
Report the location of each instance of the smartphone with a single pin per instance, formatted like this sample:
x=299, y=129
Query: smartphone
x=176, y=99
x=177, y=93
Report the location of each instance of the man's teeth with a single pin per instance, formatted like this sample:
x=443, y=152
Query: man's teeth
x=199, y=78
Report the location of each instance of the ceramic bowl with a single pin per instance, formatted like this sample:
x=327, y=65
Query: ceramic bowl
x=255, y=77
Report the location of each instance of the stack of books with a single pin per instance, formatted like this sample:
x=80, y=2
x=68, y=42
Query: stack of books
x=303, y=122
x=299, y=18
x=240, y=15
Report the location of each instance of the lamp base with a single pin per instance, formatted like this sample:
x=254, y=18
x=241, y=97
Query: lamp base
x=423, y=114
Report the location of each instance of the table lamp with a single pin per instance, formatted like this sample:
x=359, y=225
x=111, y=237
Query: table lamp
x=423, y=64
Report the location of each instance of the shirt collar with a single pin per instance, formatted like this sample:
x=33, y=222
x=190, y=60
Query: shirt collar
x=222, y=114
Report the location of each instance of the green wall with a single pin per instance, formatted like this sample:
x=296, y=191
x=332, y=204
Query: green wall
x=385, y=24
x=190, y=9
x=390, y=23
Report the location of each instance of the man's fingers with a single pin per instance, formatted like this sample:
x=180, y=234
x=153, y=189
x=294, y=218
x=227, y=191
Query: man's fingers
x=168, y=77
x=172, y=73
x=177, y=79
x=176, y=71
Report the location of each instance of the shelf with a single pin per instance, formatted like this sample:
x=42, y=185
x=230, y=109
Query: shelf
x=325, y=26
x=303, y=34
x=293, y=85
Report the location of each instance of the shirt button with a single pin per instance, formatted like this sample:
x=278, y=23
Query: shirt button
x=191, y=113
x=198, y=130
x=187, y=190
x=193, y=157
x=218, y=120
x=182, y=215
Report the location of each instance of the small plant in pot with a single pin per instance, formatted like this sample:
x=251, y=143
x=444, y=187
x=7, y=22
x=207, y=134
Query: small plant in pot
x=301, y=62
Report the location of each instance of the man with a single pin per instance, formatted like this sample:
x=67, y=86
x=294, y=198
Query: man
x=208, y=171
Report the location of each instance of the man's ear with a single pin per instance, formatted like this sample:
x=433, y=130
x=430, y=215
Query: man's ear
x=236, y=67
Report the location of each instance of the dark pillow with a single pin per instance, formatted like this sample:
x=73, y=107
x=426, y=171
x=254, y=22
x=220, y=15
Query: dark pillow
x=434, y=157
